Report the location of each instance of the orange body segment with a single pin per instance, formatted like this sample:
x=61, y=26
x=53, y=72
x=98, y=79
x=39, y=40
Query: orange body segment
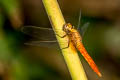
x=88, y=59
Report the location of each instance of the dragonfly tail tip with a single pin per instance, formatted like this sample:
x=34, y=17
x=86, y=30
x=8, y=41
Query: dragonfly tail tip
x=99, y=74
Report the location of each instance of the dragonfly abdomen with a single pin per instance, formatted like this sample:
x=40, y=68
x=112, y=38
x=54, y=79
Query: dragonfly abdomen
x=77, y=41
x=88, y=58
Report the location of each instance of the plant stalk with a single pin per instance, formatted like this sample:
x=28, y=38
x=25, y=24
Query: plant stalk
x=70, y=54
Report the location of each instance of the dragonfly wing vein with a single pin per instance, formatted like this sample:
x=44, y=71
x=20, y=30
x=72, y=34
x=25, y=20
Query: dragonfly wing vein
x=48, y=44
x=39, y=33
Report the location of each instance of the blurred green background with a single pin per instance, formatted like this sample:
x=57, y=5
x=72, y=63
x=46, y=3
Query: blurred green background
x=25, y=62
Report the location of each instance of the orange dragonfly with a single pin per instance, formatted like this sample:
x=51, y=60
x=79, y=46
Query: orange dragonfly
x=46, y=35
x=76, y=39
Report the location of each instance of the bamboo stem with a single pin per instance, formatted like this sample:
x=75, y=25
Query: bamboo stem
x=70, y=54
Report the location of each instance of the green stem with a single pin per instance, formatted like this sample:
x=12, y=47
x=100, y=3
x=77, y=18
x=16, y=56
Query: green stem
x=70, y=54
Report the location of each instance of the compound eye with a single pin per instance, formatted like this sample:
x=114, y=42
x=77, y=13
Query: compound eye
x=65, y=26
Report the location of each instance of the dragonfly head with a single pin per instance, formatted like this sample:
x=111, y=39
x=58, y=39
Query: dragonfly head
x=67, y=27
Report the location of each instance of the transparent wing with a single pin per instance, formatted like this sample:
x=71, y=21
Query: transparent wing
x=39, y=33
x=79, y=20
x=40, y=36
x=49, y=44
x=83, y=29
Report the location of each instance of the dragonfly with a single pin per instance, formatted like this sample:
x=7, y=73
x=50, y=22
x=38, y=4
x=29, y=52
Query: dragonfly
x=76, y=39
x=46, y=36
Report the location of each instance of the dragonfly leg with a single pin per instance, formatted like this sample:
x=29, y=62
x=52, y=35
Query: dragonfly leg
x=62, y=36
x=67, y=45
